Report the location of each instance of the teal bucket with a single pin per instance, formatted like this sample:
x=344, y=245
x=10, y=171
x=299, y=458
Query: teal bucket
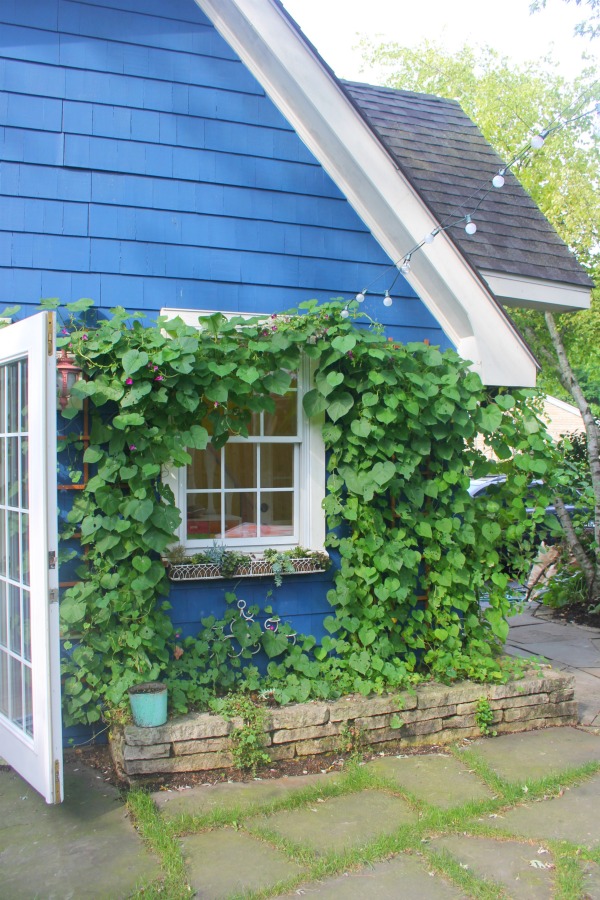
x=148, y=704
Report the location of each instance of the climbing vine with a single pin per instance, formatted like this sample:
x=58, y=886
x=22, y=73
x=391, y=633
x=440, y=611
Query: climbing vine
x=400, y=422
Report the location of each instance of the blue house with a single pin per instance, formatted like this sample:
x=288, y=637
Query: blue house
x=186, y=157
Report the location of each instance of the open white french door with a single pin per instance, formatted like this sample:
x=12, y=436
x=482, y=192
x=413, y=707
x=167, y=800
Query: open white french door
x=30, y=715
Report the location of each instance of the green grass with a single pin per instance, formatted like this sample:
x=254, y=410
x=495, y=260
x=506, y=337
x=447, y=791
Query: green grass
x=472, y=818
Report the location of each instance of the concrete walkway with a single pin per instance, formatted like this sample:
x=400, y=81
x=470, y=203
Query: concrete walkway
x=568, y=648
x=438, y=826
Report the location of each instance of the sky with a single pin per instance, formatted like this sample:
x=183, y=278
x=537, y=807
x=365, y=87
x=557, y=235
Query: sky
x=335, y=27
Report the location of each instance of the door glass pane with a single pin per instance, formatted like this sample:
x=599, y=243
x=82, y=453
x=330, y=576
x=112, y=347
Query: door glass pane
x=14, y=558
x=3, y=615
x=4, y=683
x=24, y=477
x=12, y=397
x=240, y=465
x=14, y=618
x=3, y=515
x=24, y=406
x=13, y=471
x=203, y=516
x=2, y=467
x=3, y=399
x=27, y=701
x=276, y=513
x=15, y=697
x=276, y=465
x=25, y=548
x=27, y=625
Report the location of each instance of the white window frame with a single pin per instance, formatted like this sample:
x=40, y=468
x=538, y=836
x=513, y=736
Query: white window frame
x=309, y=464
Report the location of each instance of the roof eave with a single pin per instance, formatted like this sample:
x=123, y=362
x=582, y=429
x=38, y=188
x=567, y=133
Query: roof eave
x=537, y=293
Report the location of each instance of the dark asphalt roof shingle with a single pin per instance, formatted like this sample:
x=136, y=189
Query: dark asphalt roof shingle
x=447, y=160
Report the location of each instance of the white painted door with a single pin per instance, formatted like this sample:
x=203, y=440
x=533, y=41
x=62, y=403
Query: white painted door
x=30, y=716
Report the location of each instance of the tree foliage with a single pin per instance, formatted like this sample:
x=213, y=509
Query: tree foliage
x=510, y=103
x=588, y=27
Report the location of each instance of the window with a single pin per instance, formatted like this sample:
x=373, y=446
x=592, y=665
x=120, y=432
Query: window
x=265, y=490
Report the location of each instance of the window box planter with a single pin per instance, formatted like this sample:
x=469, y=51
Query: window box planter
x=257, y=568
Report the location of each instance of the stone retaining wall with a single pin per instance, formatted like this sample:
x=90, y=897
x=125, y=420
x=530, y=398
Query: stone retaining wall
x=432, y=714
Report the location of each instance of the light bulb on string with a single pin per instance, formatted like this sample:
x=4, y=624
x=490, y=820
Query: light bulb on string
x=498, y=179
x=405, y=267
x=429, y=239
x=470, y=227
x=344, y=314
x=361, y=296
x=538, y=140
x=387, y=300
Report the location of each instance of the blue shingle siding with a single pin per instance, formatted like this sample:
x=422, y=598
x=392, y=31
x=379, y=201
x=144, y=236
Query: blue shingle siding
x=143, y=165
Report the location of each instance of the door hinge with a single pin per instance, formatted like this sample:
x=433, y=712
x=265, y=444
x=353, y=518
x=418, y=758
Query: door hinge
x=53, y=595
x=52, y=559
x=50, y=334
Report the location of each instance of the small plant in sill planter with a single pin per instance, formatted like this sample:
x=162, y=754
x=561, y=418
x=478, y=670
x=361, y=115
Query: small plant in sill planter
x=219, y=562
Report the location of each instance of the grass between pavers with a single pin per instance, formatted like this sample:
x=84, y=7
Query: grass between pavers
x=163, y=837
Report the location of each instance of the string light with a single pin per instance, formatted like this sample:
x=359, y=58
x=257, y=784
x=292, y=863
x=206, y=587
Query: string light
x=403, y=265
x=470, y=226
x=538, y=140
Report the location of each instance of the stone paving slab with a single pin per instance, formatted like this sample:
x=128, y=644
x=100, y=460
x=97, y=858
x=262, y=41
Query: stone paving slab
x=403, y=876
x=226, y=862
x=438, y=779
x=341, y=823
x=512, y=864
x=84, y=848
x=535, y=754
x=591, y=880
x=572, y=817
x=205, y=798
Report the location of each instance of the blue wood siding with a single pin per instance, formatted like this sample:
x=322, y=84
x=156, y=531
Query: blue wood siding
x=142, y=165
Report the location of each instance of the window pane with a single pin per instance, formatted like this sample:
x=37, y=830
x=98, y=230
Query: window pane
x=276, y=465
x=203, y=516
x=204, y=473
x=25, y=547
x=276, y=513
x=240, y=465
x=240, y=515
x=3, y=515
x=284, y=421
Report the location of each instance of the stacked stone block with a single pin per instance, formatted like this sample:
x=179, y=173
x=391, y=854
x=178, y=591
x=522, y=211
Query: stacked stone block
x=431, y=714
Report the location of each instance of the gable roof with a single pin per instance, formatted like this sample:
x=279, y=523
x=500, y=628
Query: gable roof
x=342, y=139
x=449, y=162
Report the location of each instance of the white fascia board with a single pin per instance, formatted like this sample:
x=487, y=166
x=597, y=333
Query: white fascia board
x=537, y=293
x=565, y=407
x=323, y=116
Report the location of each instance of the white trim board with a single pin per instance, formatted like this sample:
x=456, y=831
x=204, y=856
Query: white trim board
x=305, y=92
